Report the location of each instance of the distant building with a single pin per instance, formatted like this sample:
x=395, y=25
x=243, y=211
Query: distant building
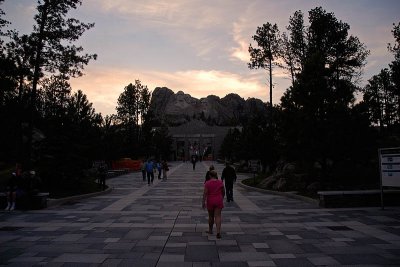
x=197, y=138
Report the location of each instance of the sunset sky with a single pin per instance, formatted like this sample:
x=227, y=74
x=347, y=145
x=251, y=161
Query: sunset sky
x=199, y=46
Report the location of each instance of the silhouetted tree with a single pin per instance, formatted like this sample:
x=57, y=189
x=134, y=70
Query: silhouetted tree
x=316, y=110
x=144, y=105
x=63, y=129
x=133, y=105
x=3, y=23
x=52, y=42
x=161, y=143
x=295, y=44
x=231, y=146
x=395, y=67
x=71, y=136
x=382, y=93
x=381, y=100
x=268, y=43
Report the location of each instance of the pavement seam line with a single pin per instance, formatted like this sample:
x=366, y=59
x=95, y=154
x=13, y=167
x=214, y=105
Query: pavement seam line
x=169, y=235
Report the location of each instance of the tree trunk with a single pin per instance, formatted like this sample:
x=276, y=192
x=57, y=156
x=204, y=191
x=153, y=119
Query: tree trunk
x=270, y=81
x=36, y=74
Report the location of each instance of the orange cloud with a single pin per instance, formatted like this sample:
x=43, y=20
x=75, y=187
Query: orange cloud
x=103, y=85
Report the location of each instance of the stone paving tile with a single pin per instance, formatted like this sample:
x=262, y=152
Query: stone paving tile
x=323, y=261
x=198, y=253
x=293, y=262
x=81, y=258
x=352, y=259
x=261, y=263
x=164, y=225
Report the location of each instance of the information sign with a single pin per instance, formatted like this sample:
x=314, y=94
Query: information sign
x=254, y=165
x=390, y=166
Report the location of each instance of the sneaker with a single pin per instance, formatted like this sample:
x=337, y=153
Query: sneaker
x=12, y=206
x=8, y=206
x=218, y=236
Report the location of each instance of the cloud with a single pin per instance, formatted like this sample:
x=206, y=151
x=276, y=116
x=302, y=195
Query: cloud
x=244, y=27
x=240, y=50
x=179, y=13
x=190, y=24
x=103, y=86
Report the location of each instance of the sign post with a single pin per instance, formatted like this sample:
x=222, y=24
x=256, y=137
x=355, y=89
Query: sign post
x=255, y=167
x=389, y=165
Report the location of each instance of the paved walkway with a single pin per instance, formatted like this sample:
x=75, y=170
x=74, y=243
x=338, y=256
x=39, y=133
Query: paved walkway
x=163, y=225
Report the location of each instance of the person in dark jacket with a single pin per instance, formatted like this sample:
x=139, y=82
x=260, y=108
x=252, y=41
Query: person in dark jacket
x=229, y=177
x=194, y=160
x=143, y=168
x=165, y=169
x=102, y=176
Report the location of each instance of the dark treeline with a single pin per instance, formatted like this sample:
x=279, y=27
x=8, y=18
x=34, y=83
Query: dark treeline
x=48, y=127
x=319, y=127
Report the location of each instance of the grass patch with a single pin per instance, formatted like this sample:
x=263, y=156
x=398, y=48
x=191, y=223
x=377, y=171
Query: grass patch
x=253, y=181
x=256, y=181
x=58, y=188
x=86, y=186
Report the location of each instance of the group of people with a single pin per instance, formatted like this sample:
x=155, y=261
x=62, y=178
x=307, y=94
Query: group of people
x=214, y=193
x=149, y=167
x=21, y=185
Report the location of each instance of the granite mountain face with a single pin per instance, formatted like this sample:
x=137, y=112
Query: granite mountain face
x=179, y=108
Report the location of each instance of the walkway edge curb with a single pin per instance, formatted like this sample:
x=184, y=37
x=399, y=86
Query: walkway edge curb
x=59, y=201
x=285, y=194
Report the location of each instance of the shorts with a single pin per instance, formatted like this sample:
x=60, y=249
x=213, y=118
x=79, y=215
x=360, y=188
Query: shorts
x=212, y=205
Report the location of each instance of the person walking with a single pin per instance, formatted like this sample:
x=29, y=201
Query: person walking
x=150, y=171
x=102, y=172
x=194, y=160
x=165, y=169
x=213, y=197
x=159, y=169
x=143, y=168
x=11, y=192
x=211, y=168
x=229, y=176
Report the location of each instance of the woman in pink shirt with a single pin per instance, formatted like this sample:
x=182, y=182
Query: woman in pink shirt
x=213, y=197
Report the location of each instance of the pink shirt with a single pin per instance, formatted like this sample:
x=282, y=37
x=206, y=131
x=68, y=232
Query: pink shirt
x=214, y=188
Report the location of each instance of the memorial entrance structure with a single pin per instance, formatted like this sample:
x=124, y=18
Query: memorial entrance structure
x=197, y=138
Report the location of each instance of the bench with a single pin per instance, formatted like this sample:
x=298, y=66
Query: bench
x=358, y=198
x=37, y=201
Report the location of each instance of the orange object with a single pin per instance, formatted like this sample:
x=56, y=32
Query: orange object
x=126, y=163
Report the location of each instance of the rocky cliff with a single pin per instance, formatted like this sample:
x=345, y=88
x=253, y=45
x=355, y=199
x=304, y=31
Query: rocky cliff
x=179, y=108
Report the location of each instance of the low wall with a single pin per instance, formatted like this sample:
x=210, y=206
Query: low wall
x=358, y=198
